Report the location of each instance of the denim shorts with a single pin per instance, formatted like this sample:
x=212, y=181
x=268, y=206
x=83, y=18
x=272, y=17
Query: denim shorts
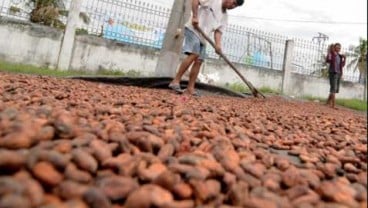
x=334, y=82
x=192, y=44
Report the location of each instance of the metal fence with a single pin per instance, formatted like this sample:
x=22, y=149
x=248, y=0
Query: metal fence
x=142, y=23
x=16, y=9
x=309, y=59
x=21, y=9
x=129, y=21
x=252, y=47
x=351, y=70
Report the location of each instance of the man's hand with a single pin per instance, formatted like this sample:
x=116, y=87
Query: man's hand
x=218, y=49
x=195, y=22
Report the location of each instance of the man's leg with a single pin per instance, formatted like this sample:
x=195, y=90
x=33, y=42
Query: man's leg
x=183, y=68
x=337, y=89
x=333, y=84
x=193, y=75
x=329, y=99
x=333, y=100
x=330, y=77
x=337, y=78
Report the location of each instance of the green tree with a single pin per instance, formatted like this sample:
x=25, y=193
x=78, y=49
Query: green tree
x=359, y=60
x=48, y=12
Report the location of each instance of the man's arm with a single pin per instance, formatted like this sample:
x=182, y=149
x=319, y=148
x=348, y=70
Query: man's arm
x=195, y=5
x=343, y=61
x=329, y=58
x=218, y=36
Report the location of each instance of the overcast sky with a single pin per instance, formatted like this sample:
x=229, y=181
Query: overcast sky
x=341, y=20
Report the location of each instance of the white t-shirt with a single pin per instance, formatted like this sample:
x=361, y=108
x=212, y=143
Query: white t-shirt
x=210, y=18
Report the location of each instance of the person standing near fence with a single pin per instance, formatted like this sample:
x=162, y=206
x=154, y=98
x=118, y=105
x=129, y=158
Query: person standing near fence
x=211, y=17
x=337, y=62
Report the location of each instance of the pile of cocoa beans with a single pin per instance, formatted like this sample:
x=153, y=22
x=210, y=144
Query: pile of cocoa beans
x=71, y=143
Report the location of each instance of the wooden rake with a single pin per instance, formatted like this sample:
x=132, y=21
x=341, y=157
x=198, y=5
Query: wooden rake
x=255, y=92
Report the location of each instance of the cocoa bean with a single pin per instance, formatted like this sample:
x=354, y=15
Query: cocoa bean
x=16, y=140
x=46, y=133
x=34, y=191
x=167, y=180
x=180, y=204
x=47, y=174
x=11, y=160
x=183, y=190
x=70, y=189
x=101, y=150
x=95, y=198
x=166, y=151
x=73, y=173
x=76, y=203
x=147, y=196
x=84, y=160
x=152, y=172
x=14, y=201
x=9, y=185
x=117, y=187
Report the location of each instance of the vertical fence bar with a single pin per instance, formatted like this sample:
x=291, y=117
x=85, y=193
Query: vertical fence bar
x=289, y=48
x=2, y=8
x=170, y=54
x=66, y=50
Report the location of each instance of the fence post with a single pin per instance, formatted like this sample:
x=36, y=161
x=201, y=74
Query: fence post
x=170, y=53
x=67, y=44
x=364, y=75
x=286, y=69
x=365, y=88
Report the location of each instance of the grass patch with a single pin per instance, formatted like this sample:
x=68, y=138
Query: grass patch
x=242, y=88
x=107, y=72
x=238, y=87
x=44, y=71
x=30, y=69
x=355, y=104
x=268, y=90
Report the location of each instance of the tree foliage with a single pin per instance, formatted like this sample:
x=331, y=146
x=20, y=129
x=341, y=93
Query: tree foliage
x=46, y=12
x=359, y=60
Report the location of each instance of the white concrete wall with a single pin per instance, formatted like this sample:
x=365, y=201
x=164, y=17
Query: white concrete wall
x=259, y=77
x=319, y=87
x=27, y=43
x=93, y=53
x=38, y=45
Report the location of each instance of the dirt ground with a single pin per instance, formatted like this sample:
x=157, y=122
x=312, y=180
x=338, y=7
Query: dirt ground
x=72, y=143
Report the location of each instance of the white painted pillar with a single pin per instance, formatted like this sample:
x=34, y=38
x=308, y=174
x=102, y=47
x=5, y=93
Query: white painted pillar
x=66, y=50
x=286, y=69
x=170, y=53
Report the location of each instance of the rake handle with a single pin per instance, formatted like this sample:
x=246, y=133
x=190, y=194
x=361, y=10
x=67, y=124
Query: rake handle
x=255, y=92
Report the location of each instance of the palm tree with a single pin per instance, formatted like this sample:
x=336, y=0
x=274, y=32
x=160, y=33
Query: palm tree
x=359, y=60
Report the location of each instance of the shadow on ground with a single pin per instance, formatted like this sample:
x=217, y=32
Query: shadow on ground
x=160, y=83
